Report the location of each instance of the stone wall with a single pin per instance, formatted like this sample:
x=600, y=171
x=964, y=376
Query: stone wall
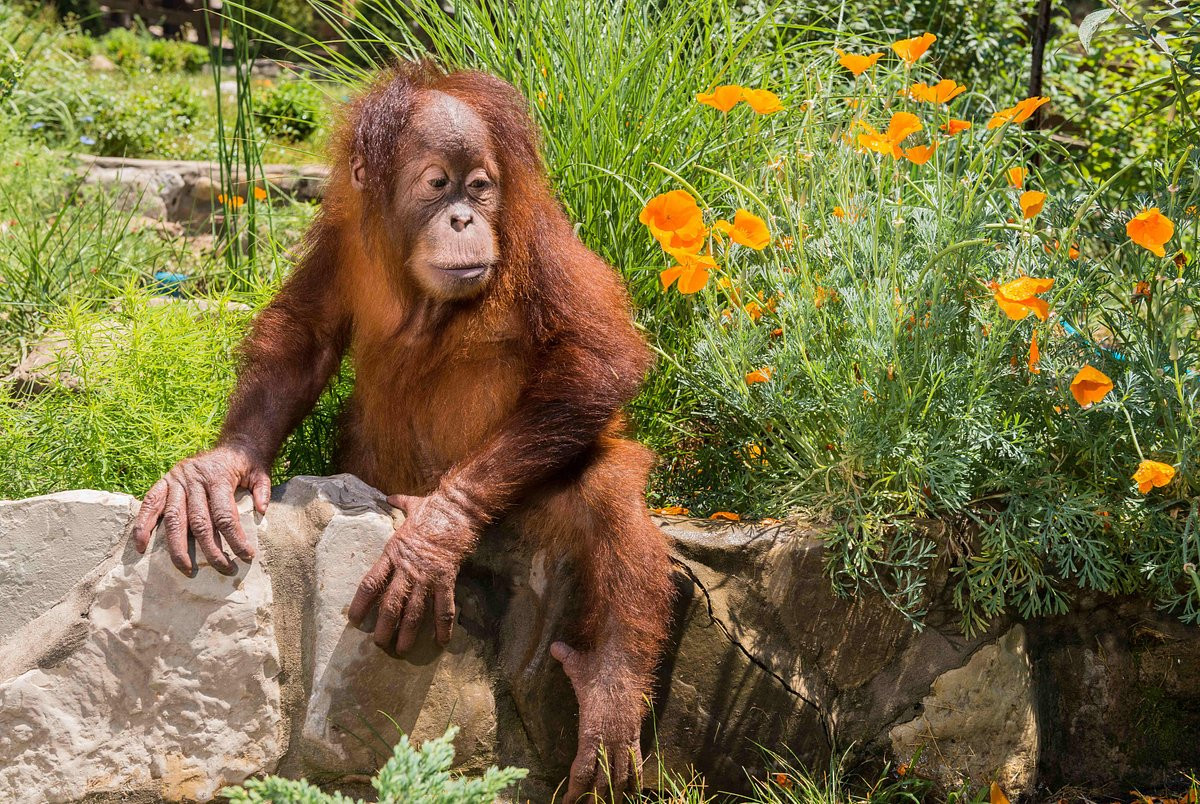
x=119, y=677
x=188, y=193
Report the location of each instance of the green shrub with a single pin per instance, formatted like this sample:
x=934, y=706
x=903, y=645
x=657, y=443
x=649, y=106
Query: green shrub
x=133, y=52
x=154, y=120
x=411, y=775
x=153, y=379
x=79, y=46
x=125, y=48
x=175, y=56
x=291, y=110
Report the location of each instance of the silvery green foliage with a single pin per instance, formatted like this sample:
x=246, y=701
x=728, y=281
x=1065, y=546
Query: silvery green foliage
x=410, y=775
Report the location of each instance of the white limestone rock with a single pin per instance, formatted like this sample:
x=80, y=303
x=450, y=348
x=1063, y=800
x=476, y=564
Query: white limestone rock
x=169, y=687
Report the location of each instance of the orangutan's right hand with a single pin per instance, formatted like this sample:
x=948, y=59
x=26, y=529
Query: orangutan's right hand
x=196, y=499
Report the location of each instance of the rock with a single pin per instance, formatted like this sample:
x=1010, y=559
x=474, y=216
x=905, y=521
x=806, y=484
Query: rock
x=186, y=192
x=49, y=544
x=101, y=63
x=358, y=695
x=978, y=724
x=139, y=682
x=156, y=683
x=1118, y=693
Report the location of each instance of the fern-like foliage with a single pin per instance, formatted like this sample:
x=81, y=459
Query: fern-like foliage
x=411, y=775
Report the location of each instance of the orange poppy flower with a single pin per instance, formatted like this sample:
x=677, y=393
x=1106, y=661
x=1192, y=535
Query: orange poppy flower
x=727, y=516
x=943, y=91
x=1031, y=203
x=1016, y=176
x=675, y=221
x=1152, y=475
x=838, y=212
x=763, y=101
x=1018, y=298
x=1141, y=289
x=1072, y=252
x=692, y=272
x=1151, y=230
x=900, y=127
x=920, y=154
x=747, y=229
x=955, y=126
x=912, y=49
x=234, y=202
x=1034, y=355
x=1018, y=113
x=1090, y=386
x=754, y=310
x=763, y=374
x=260, y=194
x=855, y=63
x=722, y=98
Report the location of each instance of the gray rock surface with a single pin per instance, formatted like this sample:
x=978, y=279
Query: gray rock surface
x=187, y=192
x=49, y=544
x=153, y=682
x=138, y=682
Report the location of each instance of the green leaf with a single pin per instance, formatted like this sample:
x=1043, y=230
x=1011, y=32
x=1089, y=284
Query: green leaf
x=1090, y=25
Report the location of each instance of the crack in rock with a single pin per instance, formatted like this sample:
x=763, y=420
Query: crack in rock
x=755, y=660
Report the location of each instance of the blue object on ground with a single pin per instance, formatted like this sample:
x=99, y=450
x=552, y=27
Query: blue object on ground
x=170, y=282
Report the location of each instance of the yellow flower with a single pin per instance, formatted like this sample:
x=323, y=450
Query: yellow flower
x=1018, y=298
x=943, y=91
x=920, y=154
x=1031, y=203
x=1151, y=230
x=747, y=229
x=1034, y=355
x=763, y=374
x=1090, y=386
x=855, y=63
x=912, y=49
x=722, y=98
x=692, y=272
x=1152, y=474
x=955, y=126
x=675, y=221
x=1019, y=113
x=1016, y=177
x=763, y=101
